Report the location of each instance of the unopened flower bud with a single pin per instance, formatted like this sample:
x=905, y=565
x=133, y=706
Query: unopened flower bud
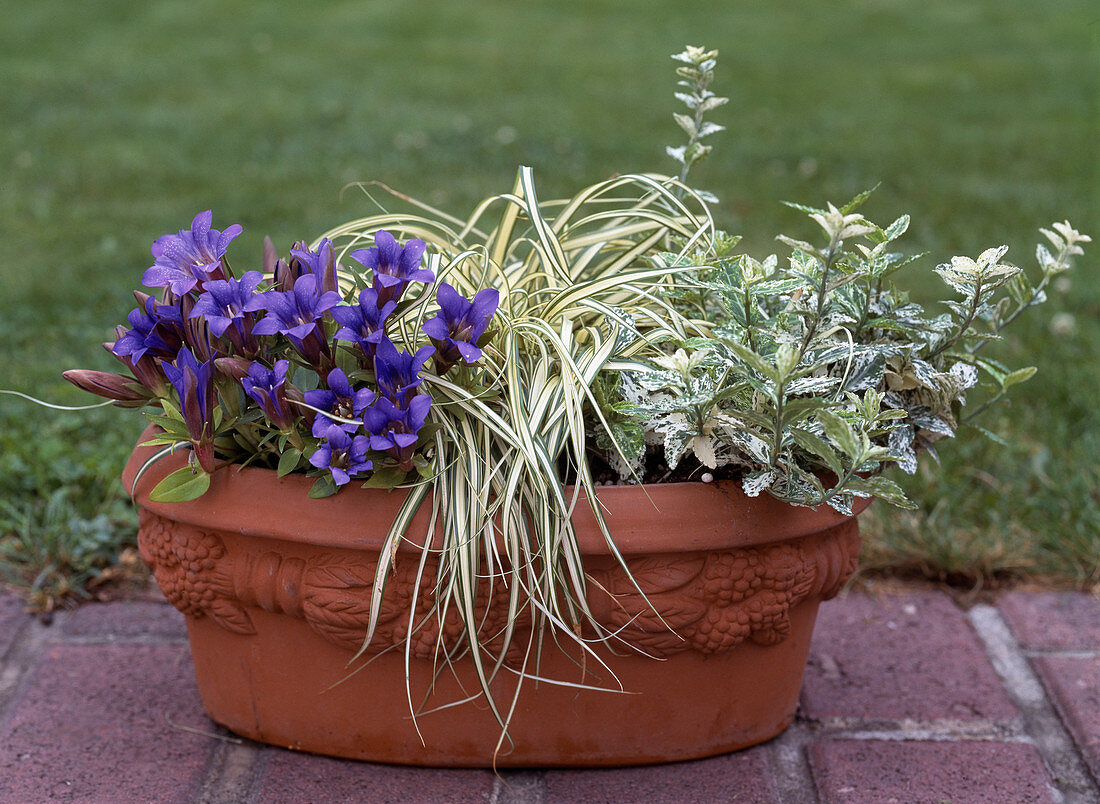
x=123, y=390
x=235, y=367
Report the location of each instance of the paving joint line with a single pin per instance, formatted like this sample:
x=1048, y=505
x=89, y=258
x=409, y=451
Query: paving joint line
x=519, y=787
x=116, y=639
x=19, y=629
x=1060, y=653
x=25, y=651
x=789, y=765
x=233, y=773
x=1041, y=721
x=940, y=730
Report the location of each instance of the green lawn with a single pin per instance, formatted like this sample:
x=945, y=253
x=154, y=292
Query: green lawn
x=122, y=120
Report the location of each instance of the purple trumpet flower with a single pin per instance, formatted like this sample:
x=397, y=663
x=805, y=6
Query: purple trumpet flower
x=268, y=388
x=322, y=263
x=396, y=372
x=393, y=266
x=196, y=332
x=222, y=305
x=155, y=329
x=190, y=258
x=459, y=325
x=293, y=313
x=297, y=314
x=147, y=370
x=192, y=381
x=339, y=399
x=395, y=430
x=343, y=455
x=364, y=323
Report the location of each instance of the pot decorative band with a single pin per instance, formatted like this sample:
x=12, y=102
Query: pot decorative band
x=708, y=601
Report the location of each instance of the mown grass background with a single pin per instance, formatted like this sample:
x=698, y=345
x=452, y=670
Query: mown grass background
x=121, y=120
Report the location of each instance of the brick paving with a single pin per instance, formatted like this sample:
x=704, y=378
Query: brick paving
x=907, y=699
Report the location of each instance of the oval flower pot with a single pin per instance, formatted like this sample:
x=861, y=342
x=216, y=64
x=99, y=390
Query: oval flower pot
x=276, y=591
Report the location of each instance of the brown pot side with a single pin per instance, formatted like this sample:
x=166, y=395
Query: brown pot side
x=288, y=688
x=277, y=605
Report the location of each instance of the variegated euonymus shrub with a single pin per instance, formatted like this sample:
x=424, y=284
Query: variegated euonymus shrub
x=809, y=374
x=510, y=362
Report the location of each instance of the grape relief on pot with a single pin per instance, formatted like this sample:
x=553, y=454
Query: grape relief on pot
x=708, y=601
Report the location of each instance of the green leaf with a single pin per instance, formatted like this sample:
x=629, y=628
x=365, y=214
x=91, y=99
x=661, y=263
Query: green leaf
x=996, y=439
x=897, y=228
x=171, y=425
x=867, y=371
x=881, y=488
x=857, y=202
x=751, y=358
x=840, y=432
x=786, y=358
x=288, y=461
x=629, y=434
x=776, y=287
x=163, y=439
x=803, y=208
x=686, y=123
x=676, y=443
x=815, y=445
x=1019, y=376
x=426, y=434
x=180, y=486
x=385, y=478
x=812, y=385
x=324, y=487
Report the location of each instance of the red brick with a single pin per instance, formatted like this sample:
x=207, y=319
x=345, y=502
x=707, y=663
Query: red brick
x=896, y=772
x=911, y=656
x=740, y=777
x=12, y=619
x=1053, y=620
x=1074, y=684
x=126, y=620
x=292, y=778
x=92, y=725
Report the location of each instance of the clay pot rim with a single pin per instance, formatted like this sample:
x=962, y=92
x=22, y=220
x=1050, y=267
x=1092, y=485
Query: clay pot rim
x=649, y=518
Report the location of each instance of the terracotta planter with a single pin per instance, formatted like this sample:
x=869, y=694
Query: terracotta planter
x=276, y=591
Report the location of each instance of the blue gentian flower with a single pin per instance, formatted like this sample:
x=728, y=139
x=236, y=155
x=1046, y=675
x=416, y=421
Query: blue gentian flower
x=293, y=313
x=196, y=333
x=396, y=372
x=322, y=263
x=364, y=323
x=222, y=305
x=395, y=430
x=268, y=388
x=393, y=266
x=189, y=258
x=459, y=325
x=155, y=328
x=297, y=315
x=222, y=301
x=339, y=399
x=192, y=381
x=343, y=455
x=147, y=370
